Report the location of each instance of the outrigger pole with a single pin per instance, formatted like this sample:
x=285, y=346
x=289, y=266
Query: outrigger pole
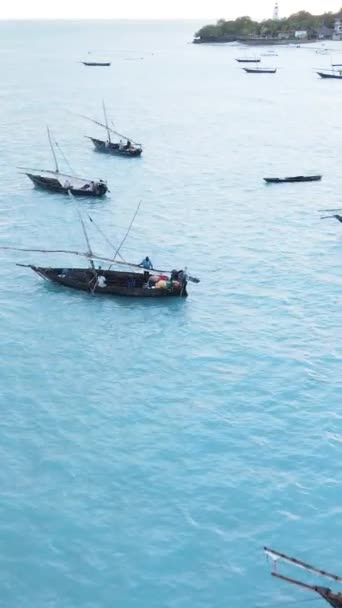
x=276, y=555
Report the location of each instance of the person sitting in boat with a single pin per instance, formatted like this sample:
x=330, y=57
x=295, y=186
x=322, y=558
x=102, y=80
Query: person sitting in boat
x=67, y=184
x=107, y=144
x=121, y=145
x=128, y=145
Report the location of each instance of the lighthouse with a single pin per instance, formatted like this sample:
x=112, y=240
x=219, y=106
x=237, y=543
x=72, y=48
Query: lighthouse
x=276, y=12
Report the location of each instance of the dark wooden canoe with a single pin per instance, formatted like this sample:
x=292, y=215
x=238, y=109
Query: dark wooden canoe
x=248, y=60
x=113, y=148
x=117, y=283
x=260, y=70
x=296, y=179
x=52, y=184
x=97, y=63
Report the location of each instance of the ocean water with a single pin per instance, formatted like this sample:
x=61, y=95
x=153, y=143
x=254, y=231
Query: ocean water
x=150, y=449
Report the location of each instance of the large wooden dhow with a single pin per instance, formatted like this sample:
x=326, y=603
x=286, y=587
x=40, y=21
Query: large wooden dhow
x=332, y=597
x=94, y=280
x=62, y=183
x=135, y=281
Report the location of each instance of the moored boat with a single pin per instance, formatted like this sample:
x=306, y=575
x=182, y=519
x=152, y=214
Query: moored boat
x=260, y=70
x=137, y=280
x=247, y=60
x=333, y=598
x=295, y=179
x=109, y=147
x=116, y=283
x=336, y=74
x=103, y=64
x=55, y=181
x=61, y=183
x=125, y=147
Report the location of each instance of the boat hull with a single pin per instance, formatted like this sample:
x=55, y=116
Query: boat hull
x=104, y=64
x=259, y=71
x=114, y=149
x=128, y=284
x=334, y=76
x=248, y=60
x=53, y=185
x=292, y=180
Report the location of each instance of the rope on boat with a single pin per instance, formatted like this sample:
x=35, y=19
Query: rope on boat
x=96, y=122
x=104, y=236
x=127, y=231
x=90, y=253
x=64, y=157
x=93, y=256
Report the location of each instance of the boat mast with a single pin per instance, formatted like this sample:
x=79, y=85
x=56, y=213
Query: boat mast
x=89, y=252
x=106, y=121
x=106, y=126
x=52, y=149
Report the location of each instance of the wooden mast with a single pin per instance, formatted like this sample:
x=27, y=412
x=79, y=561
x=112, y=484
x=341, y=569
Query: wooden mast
x=52, y=149
x=107, y=127
x=106, y=121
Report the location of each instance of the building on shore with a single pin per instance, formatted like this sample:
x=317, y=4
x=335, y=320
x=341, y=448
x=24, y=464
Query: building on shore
x=337, y=35
x=325, y=33
x=301, y=35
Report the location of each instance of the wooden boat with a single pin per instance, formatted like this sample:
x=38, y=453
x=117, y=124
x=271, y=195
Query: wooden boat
x=109, y=147
x=260, y=70
x=134, y=281
x=125, y=147
x=116, y=283
x=337, y=75
x=61, y=183
x=296, y=179
x=97, y=63
x=55, y=181
x=247, y=60
x=333, y=598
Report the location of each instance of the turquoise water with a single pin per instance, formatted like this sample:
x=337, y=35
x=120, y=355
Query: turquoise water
x=149, y=450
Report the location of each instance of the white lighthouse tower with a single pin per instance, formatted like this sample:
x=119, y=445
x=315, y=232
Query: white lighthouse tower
x=276, y=12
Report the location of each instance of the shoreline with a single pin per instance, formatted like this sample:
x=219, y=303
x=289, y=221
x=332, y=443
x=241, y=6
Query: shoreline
x=262, y=41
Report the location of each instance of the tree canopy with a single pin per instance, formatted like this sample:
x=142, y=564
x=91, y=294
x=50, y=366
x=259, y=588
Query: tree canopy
x=245, y=26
